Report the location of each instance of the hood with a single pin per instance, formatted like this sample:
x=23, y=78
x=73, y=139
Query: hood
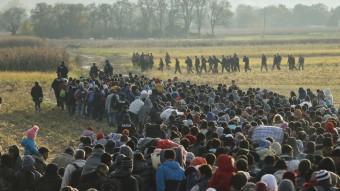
x=97, y=152
x=14, y=150
x=225, y=163
x=270, y=181
x=287, y=185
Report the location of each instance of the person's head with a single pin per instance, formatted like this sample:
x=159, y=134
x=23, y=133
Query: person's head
x=79, y=155
x=32, y=132
x=322, y=177
x=99, y=147
x=269, y=160
x=287, y=150
x=5, y=160
x=36, y=83
x=138, y=157
x=239, y=180
x=310, y=148
x=86, y=141
x=51, y=170
x=242, y=165
x=210, y=158
x=261, y=186
x=13, y=151
x=205, y=171
x=88, y=151
x=126, y=150
x=110, y=147
x=327, y=164
x=305, y=167
x=289, y=175
x=281, y=165
x=270, y=182
x=69, y=151
x=169, y=154
x=106, y=159
x=44, y=152
x=278, y=119
x=102, y=169
x=286, y=185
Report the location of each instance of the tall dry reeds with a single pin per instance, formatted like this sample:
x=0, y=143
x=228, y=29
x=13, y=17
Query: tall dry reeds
x=29, y=54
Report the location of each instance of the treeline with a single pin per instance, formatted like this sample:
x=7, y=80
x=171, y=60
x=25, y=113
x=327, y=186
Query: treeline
x=158, y=18
x=281, y=16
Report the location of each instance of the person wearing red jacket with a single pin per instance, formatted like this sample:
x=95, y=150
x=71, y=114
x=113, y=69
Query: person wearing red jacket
x=221, y=180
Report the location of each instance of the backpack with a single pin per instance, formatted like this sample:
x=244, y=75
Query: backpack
x=62, y=93
x=114, y=102
x=75, y=176
x=112, y=184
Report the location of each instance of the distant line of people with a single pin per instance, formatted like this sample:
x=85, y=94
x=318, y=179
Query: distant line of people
x=144, y=61
x=211, y=64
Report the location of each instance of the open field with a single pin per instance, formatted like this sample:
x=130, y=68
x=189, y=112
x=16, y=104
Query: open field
x=322, y=65
x=58, y=130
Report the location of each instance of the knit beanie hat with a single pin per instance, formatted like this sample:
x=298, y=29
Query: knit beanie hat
x=322, y=175
x=286, y=185
x=198, y=161
x=32, y=132
x=100, y=135
x=28, y=161
x=126, y=150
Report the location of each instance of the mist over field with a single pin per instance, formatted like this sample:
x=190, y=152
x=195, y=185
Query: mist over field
x=259, y=3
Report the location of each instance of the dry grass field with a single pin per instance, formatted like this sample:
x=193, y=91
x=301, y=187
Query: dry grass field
x=58, y=130
x=322, y=65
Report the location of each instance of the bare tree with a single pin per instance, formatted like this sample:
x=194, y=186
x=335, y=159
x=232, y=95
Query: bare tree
x=122, y=13
x=173, y=6
x=161, y=9
x=200, y=6
x=219, y=13
x=147, y=8
x=187, y=10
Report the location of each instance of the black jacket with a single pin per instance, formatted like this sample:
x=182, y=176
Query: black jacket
x=49, y=183
x=37, y=93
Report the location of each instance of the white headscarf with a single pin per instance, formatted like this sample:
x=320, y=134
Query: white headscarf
x=270, y=181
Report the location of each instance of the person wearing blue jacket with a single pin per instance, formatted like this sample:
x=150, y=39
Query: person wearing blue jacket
x=169, y=175
x=28, y=142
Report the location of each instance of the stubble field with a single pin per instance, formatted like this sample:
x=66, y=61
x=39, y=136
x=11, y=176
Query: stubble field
x=58, y=130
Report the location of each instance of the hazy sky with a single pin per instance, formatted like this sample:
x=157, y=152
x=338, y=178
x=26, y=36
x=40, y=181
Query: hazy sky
x=260, y=3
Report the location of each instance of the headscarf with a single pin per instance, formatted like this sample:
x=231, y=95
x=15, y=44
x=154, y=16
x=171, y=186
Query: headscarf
x=270, y=181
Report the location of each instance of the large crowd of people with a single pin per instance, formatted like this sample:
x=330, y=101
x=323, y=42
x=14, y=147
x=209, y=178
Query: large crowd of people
x=172, y=135
x=211, y=64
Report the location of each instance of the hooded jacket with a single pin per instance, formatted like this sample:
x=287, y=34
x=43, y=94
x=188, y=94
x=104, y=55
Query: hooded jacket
x=70, y=168
x=222, y=177
x=168, y=174
x=30, y=148
x=63, y=160
x=93, y=161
